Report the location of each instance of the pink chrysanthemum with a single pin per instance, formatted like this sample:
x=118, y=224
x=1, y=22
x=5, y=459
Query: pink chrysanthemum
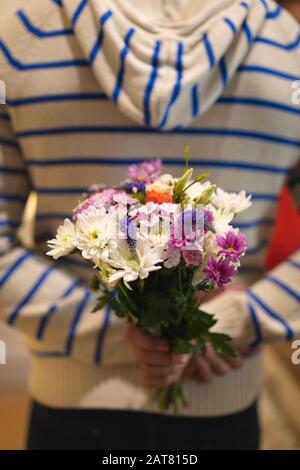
x=100, y=199
x=232, y=245
x=145, y=172
x=219, y=271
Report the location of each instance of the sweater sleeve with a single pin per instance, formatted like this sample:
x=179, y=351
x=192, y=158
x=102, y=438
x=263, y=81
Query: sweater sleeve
x=268, y=311
x=38, y=297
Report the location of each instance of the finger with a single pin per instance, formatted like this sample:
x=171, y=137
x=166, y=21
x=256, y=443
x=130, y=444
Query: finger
x=158, y=382
x=153, y=358
x=190, y=369
x=203, y=372
x=161, y=371
x=181, y=358
x=218, y=364
x=145, y=341
x=234, y=362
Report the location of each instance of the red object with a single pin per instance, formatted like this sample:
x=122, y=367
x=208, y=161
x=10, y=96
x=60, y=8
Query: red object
x=159, y=198
x=286, y=231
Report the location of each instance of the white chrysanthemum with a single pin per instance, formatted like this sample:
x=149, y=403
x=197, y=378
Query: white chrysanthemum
x=232, y=202
x=157, y=235
x=222, y=219
x=129, y=267
x=195, y=191
x=64, y=242
x=96, y=233
x=164, y=184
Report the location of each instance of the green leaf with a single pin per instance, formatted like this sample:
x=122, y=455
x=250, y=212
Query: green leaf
x=94, y=284
x=220, y=343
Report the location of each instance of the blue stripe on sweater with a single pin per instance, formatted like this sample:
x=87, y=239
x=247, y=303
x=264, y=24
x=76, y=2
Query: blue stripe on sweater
x=100, y=341
x=207, y=132
x=14, y=266
x=13, y=198
x=270, y=312
x=246, y=30
x=259, y=103
x=9, y=224
x=253, y=223
x=177, y=86
x=151, y=83
x=195, y=100
x=57, y=2
x=293, y=263
x=38, y=32
x=77, y=13
x=99, y=41
x=264, y=4
x=223, y=71
x=28, y=297
x=75, y=322
x=121, y=73
x=288, y=290
x=12, y=171
x=271, y=42
x=267, y=71
x=254, y=250
x=209, y=50
x=18, y=65
x=8, y=142
x=114, y=161
x=255, y=322
x=244, y=5
x=231, y=25
x=224, y=100
x=272, y=15
x=4, y=117
x=40, y=99
x=53, y=309
x=264, y=197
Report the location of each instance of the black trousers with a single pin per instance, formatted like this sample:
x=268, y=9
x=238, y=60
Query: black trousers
x=102, y=429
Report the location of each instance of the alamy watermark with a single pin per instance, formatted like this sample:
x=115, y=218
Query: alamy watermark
x=2, y=92
x=296, y=92
x=2, y=353
x=296, y=353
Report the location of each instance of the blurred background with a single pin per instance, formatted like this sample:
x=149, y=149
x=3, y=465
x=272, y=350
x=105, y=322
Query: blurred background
x=279, y=402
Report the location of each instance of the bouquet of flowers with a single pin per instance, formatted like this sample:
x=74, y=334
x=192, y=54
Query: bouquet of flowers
x=159, y=246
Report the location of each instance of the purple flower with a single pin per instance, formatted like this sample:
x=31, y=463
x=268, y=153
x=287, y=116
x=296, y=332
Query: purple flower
x=135, y=187
x=232, y=245
x=192, y=257
x=145, y=172
x=98, y=199
x=219, y=271
x=208, y=220
x=187, y=232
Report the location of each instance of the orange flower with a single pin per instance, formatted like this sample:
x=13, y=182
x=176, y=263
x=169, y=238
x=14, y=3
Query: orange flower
x=159, y=198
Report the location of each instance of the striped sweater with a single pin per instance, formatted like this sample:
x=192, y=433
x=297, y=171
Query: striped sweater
x=92, y=86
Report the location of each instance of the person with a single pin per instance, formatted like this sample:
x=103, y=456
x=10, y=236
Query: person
x=94, y=86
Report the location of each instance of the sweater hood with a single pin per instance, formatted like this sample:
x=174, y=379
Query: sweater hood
x=165, y=62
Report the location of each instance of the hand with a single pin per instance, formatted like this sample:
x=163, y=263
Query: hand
x=203, y=367
x=158, y=366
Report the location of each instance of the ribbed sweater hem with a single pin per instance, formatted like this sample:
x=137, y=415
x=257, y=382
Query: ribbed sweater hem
x=65, y=383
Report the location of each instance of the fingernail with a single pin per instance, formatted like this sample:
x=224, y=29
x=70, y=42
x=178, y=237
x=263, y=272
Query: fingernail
x=180, y=359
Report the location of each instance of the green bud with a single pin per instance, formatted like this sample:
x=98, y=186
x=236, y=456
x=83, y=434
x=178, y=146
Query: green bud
x=206, y=195
x=181, y=184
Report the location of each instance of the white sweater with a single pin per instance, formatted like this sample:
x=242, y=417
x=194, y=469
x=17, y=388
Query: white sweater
x=95, y=85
